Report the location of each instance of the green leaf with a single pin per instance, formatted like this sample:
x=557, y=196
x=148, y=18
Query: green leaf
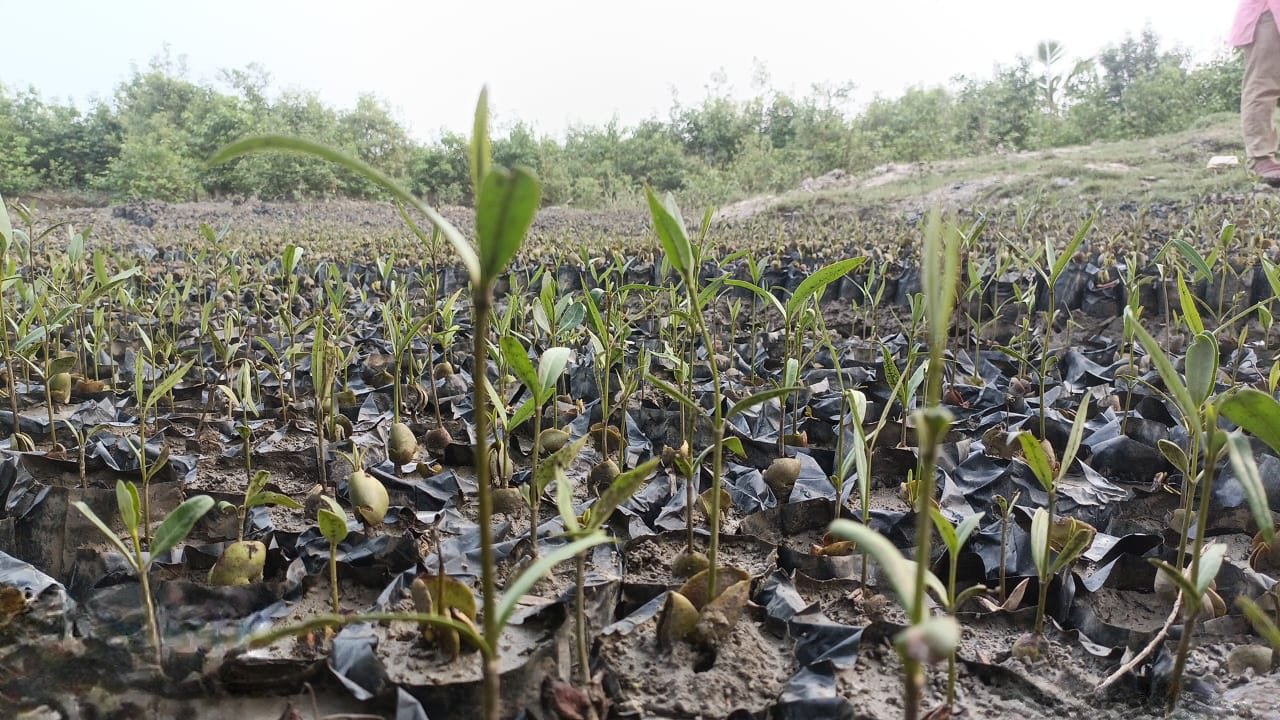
x=899, y=571
x=127, y=503
x=522, y=414
x=1189, y=311
x=564, y=499
x=759, y=398
x=179, y=522
x=1192, y=256
x=505, y=207
x=6, y=228
x=30, y=340
x=966, y=528
x=1261, y=622
x=1256, y=412
x=673, y=392
x=163, y=387
x=332, y=521
x=298, y=146
x=1040, y=543
x=769, y=298
x=1076, y=544
x=270, y=497
x=517, y=359
x=1255, y=493
x=945, y=530
x=1069, y=252
x=734, y=445
x=559, y=460
x=1201, y=363
x=618, y=492
x=572, y=317
x=818, y=281
x=1172, y=381
x=1034, y=455
x=107, y=532
x=550, y=367
x=968, y=594
x=669, y=225
x=791, y=373
x=480, y=155
x=1076, y=436
x=289, y=258
x=1174, y=454
x=940, y=273
x=1189, y=595
x=59, y=365
x=257, y=483
x=891, y=374
x=525, y=581
x=1210, y=563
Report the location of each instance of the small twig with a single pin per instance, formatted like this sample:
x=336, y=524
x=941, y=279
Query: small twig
x=1146, y=651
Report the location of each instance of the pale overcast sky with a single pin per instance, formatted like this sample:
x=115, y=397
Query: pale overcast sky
x=557, y=63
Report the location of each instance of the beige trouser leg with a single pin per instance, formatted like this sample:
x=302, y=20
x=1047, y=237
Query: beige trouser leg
x=1261, y=89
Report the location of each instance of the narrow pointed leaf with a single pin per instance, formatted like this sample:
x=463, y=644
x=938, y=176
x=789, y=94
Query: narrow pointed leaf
x=1210, y=563
x=298, y=146
x=1172, y=381
x=1189, y=595
x=163, y=387
x=673, y=392
x=966, y=528
x=517, y=359
x=1040, y=543
x=127, y=504
x=550, y=367
x=6, y=228
x=945, y=529
x=1195, y=258
x=1246, y=472
x=619, y=491
x=270, y=497
x=899, y=571
x=816, y=282
x=1035, y=456
x=525, y=581
x=107, y=532
x=768, y=297
x=671, y=232
x=1190, y=313
x=505, y=208
x=759, y=398
x=1076, y=436
x=179, y=522
x=1069, y=252
x=1201, y=363
x=1262, y=623
x=480, y=152
x=940, y=273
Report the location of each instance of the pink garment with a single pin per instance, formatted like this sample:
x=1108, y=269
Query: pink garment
x=1247, y=15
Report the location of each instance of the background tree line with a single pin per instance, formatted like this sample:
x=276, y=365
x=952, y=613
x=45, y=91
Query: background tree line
x=149, y=140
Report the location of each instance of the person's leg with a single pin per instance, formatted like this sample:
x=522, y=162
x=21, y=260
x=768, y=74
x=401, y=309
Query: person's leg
x=1258, y=97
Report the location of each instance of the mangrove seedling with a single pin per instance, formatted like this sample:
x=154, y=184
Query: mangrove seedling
x=242, y=561
x=541, y=384
x=591, y=524
x=506, y=201
x=332, y=521
x=927, y=639
x=171, y=531
x=954, y=538
x=368, y=495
